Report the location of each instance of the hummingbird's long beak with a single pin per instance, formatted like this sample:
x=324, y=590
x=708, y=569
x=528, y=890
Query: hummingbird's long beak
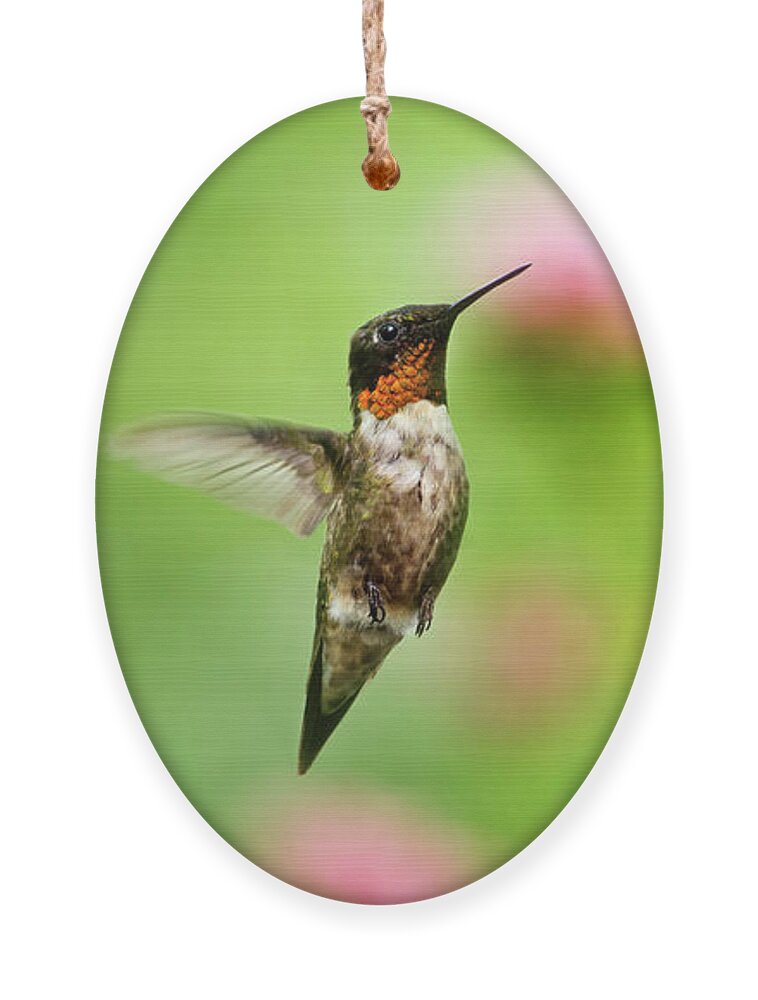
x=468, y=300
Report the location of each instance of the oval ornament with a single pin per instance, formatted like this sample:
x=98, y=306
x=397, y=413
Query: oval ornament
x=476, y=518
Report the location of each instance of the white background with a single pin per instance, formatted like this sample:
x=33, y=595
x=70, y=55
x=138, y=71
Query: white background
x=645, y=886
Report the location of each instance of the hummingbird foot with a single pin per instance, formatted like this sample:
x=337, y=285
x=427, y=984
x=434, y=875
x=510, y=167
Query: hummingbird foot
x=376, y=609
x=426, y=613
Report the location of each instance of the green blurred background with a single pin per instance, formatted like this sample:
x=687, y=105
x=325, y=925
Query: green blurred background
x=470, y=740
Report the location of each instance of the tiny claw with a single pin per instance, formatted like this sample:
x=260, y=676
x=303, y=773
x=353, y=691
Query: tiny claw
x=426, y=612
x=376, y=610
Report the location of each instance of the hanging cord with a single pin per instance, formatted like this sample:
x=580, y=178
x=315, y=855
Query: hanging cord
x=380, y=167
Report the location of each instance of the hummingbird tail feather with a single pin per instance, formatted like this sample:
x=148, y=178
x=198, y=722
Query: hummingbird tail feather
x=318, y=726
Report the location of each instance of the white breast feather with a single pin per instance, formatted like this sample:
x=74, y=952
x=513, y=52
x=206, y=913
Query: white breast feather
x=402, y=446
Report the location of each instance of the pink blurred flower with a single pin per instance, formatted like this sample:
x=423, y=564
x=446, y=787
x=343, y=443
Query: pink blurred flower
x=541, y=657
x=571, y=289
x=368, y=849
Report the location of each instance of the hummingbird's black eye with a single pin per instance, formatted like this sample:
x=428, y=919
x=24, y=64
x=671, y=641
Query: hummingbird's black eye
x=388, y=332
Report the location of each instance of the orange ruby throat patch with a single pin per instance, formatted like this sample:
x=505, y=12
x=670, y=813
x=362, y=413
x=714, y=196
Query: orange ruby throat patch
x=406, y=382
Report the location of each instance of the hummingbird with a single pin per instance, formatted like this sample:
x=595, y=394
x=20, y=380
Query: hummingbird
x=393, y=490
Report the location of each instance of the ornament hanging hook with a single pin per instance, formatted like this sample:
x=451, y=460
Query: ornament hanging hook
x=380, y=168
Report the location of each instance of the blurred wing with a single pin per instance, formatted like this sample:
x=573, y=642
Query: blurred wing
x=287, y=473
